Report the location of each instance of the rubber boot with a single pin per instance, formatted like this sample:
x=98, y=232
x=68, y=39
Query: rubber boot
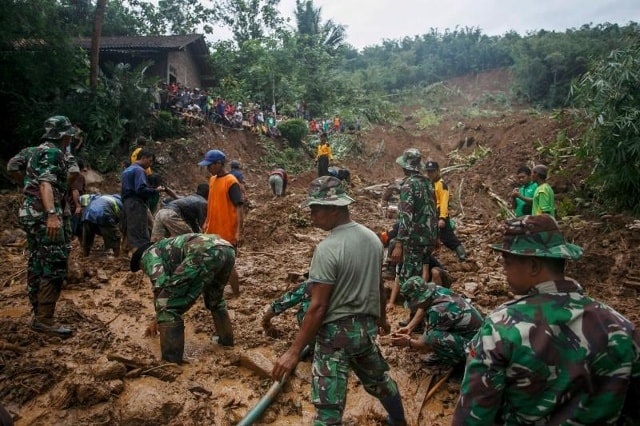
x=43, y=322
x=462, y=255
x=224, y=329
x=172, y=341
x=393, y=405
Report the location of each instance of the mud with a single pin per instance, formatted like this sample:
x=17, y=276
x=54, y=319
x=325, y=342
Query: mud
x=110, y=373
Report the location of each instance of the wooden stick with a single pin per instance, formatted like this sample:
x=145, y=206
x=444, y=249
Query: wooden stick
x=5, y=346
x=437, y=385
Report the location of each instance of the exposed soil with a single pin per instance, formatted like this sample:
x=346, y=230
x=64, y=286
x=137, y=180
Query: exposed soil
x=110, y=373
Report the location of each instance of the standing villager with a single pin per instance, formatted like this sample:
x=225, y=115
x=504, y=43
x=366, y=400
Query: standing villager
x=41, y=216
x=323, y=156
x=180, y=269
x=445, y=230
x=346, y=312
x=417, y=218
x=543, y=199
x=225, y=213
x=278, y=179
x=523, y=195
x=136, y=192
x=554, y=356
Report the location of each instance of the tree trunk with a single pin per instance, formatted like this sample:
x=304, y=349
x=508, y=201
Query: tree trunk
x=95, y=42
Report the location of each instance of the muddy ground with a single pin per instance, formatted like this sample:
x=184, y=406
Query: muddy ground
x=110, y=373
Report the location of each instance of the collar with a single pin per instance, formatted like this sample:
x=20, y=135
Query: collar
x=567, y=285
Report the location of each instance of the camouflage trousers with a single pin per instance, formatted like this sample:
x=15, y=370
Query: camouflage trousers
x=449, y=347
x=206, y=273
x=344, y=345
x=47, y=263
x=413, y=257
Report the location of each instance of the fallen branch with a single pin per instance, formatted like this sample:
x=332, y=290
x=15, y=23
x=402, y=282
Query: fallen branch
x=5, y=346
x=260, y=252
x=437, y=385
x=502, y=203
x=13, y=276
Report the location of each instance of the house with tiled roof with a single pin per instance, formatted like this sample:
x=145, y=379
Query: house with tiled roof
x=176, y=58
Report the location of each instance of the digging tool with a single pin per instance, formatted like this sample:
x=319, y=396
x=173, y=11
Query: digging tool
x=255, y=413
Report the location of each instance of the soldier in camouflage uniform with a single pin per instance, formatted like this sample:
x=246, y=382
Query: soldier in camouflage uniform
x=417, y=217
x=41, y=216
x=553, y=356
x=346, y=312
x=450, y=322
x=297, y=296
x=180, y=269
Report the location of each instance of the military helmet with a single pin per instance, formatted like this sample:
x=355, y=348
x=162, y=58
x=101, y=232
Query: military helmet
x=537, y=236
x=410, y=159
x=58, y=126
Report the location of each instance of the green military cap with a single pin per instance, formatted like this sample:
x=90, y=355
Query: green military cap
x=410, y=159
x=327, y=191
x=416, y=290
x=537, y=236
x=58, y=126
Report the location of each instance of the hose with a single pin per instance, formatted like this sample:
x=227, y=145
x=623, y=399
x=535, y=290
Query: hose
x=255, y=413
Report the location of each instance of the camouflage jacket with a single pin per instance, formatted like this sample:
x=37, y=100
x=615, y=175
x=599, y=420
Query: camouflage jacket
x=299, y=295
x=449, y=311
x=46, y=164
x=417, y=214
x=173, y=261
x=554, y=356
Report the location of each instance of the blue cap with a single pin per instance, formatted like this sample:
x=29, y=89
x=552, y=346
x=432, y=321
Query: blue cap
x=212, y=156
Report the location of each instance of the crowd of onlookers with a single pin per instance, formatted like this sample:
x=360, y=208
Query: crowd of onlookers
x=198, y=106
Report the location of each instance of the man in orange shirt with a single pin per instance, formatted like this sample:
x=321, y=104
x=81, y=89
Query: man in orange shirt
x=225, y=215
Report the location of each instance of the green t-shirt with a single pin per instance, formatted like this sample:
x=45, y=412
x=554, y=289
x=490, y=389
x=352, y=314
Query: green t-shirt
x=528, y=191
x=350, y=259
x=543, y=201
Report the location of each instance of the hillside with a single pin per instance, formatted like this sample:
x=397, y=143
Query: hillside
x=110, y=373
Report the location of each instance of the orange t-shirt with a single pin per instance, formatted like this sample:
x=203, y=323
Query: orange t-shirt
x=222, y=218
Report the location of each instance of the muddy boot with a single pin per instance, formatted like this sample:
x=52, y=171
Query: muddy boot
x=462, y=255
x=393, y=405
x=43, y=322
x=172, y=341
x=224, y=330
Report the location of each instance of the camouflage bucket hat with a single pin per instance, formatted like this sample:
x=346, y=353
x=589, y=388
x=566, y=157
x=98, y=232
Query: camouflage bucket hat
x=327, y=191
x=416, y=291
x=58, y=126
x=537, y=236
x=410, y=159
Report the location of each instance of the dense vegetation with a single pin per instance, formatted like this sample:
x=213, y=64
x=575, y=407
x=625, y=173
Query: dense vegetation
x=272, y=61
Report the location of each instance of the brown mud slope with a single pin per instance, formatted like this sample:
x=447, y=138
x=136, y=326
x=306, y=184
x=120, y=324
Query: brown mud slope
x=110, y=373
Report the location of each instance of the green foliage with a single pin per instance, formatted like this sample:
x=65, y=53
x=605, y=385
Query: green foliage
x=294, y=131
x=291, y=159
x=166, y=125
x=426, y=119
x=609, y=94
x=115, y=113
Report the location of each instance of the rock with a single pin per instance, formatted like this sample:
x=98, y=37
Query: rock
x=257, y=362
x=109, y=370
x=148, y=401
x=470, y=287
x=102, y=276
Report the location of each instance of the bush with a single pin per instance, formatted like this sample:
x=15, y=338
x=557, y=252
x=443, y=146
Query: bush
x=166, y=125
x=294, y=131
